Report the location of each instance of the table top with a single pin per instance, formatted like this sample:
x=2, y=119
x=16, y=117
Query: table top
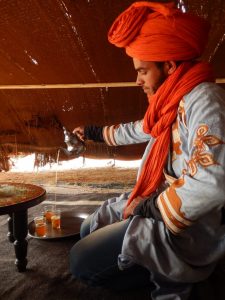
x=19, y=196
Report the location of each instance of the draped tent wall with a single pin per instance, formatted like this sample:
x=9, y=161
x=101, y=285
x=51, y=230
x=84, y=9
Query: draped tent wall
x=47, y=45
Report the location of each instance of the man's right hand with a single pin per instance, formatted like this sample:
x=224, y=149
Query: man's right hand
x=79, y=132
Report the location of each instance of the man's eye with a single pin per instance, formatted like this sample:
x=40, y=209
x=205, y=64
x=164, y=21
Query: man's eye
x=142, y=72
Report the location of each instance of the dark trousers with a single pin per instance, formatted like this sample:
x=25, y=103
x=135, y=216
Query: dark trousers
x=93, y=259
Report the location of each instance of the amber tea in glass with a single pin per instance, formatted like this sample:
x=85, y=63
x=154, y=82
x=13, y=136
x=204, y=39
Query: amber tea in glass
x=48, y=212
x=56, y=219
x=40, y=226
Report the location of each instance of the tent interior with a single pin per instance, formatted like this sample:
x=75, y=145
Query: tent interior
x=59, y=70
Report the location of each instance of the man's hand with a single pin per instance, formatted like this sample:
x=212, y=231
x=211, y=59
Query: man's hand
x=129, y=210
x=147, y=208
x=79, y=132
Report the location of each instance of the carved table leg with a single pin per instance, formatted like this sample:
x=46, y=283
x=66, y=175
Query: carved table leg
x=10, y=229
x=20, y=233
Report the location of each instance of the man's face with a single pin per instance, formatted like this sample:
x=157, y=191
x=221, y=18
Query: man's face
x=149, y=75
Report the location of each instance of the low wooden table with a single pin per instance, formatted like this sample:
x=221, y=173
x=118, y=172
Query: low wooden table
x=15, y=199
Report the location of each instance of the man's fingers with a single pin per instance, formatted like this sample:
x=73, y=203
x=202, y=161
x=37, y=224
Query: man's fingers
x=79, y=135
x=79, y=132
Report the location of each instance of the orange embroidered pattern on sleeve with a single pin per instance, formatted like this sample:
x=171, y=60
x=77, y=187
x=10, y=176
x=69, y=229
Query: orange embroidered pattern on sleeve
x=169, y=204
x=201, y=156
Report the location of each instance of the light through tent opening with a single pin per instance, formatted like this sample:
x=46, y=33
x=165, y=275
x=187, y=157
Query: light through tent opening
x=27, y=164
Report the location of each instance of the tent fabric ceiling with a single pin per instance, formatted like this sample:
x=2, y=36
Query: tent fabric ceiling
x=65, y=42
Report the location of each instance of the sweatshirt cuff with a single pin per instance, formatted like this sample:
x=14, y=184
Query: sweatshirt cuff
x=93, y=133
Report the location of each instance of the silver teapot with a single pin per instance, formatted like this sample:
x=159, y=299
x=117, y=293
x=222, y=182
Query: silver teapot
x=74, y=144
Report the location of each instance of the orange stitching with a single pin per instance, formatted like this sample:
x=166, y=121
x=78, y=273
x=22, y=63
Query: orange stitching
x=200, y=156
x=176, y=141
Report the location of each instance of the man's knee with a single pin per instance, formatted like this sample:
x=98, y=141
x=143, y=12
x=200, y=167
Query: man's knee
x=82, y=264
x=77, y=260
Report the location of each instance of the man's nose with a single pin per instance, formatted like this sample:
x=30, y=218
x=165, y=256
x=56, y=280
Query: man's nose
x=139, y=81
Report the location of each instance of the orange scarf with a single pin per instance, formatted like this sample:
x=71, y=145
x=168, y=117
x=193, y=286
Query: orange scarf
x=160, y=115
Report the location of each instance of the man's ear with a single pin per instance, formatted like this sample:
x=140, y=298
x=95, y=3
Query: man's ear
x=170, y=67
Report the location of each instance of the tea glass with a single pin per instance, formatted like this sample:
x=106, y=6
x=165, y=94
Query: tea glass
x=49, y=212
x=40, y=226
x=56, y=219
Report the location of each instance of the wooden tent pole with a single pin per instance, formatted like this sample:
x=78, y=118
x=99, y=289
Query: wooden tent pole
x=75, y=85
x=67, y=85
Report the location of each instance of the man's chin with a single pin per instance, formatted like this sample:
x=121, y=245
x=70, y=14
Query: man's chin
x=146, y=91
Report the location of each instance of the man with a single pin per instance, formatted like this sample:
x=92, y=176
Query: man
x=169, y=229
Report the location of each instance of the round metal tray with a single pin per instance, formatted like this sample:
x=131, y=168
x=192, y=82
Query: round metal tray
x=70, y=226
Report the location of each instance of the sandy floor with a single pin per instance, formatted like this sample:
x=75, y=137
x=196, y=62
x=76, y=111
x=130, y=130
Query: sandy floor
x=81, y=179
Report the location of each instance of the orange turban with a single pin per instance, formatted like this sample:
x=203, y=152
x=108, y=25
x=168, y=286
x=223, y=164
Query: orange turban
x=152, y=31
